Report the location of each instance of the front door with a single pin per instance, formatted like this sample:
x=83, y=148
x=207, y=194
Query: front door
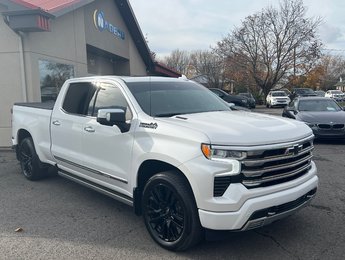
x=108, y=151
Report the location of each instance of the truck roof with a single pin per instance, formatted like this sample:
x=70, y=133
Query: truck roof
x=131, y=78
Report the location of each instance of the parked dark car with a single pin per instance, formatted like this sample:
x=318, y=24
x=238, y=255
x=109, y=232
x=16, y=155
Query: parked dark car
x=237, y=100
x=323, y=115
x=302, y=92
x=251, y=99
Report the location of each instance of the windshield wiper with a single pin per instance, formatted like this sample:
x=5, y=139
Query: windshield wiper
x=168, y=114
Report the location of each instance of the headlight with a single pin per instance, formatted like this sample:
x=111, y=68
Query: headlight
x=244, y=101
x=311, y=125
x=214, y=154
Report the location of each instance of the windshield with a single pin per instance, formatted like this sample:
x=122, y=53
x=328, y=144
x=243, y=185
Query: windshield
x=279, y=94
x=318, y=106
x=248, y=95
x=336, y=92
x=304, y=91
x=165, y=99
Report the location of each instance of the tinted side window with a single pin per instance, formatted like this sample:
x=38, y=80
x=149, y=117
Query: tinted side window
x=108, y=96
x=77, y=97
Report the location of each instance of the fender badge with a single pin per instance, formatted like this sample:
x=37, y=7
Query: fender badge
x=149, y=125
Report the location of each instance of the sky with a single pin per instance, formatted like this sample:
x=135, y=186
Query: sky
x=198, y=24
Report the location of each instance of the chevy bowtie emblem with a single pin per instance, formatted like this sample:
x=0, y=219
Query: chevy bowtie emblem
x=294, y=150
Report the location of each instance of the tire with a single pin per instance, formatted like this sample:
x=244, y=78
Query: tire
x=32, y=168
x=267, y=105
x=170, y=213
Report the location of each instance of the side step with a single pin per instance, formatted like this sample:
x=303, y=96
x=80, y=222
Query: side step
x=106, y=191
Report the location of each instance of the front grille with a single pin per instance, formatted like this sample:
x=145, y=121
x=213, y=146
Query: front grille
x=331, y=126
x=324, y=126
x=269, y=167
x=338, y=126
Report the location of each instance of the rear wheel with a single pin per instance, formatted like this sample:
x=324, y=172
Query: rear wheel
x=31, y=166
x=170, y=212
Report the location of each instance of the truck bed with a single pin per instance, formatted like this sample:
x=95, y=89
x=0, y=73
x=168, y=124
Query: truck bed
x=42, y=105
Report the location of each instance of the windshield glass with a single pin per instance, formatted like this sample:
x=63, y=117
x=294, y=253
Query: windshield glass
x=165, y=99
x=248, y=95
x=279, y=94
x=336, y=92
x=304, y=91
x=318, y=106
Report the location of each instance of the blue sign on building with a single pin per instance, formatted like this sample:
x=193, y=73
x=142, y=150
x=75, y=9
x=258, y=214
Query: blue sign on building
x=103, y=25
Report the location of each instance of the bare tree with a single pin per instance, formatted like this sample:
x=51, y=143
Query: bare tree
x=178, y=60
x=211, y=66
x=198, y=63
x=274, y=43
x=333, y=68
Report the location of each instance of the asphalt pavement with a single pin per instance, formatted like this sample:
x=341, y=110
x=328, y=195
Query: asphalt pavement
x=57, y=219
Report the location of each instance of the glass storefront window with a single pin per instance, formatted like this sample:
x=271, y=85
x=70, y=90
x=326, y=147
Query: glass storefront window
x=52, y=77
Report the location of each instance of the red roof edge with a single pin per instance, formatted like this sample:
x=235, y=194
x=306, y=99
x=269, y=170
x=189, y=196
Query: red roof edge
x=161, y=69
x=26, y=4
x=64, y=5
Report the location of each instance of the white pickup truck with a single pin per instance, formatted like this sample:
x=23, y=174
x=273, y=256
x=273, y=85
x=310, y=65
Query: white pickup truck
x=171, y=149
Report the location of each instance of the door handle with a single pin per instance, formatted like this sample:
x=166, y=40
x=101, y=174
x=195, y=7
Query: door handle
x=56, y=122
x=89, y=129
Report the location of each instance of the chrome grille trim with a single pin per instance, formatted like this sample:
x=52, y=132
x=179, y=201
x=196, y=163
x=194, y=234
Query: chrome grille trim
x=274, y=165
x=259, y=162
x=252, y=183
x=264, y=170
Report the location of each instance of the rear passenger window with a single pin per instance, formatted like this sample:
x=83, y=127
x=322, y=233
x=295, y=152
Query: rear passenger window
x=78, y=97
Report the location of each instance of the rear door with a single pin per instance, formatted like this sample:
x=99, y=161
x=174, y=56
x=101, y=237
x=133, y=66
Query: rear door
x=67, y=126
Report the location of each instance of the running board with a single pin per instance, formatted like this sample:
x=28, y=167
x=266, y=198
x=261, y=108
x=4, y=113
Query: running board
x=106, y=191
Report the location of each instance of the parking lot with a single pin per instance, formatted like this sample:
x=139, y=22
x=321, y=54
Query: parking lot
x=59, y=219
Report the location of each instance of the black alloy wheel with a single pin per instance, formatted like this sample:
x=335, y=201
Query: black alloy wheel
x=26, y=158
x=165, y=214
x=30, y=164
x=170, y=213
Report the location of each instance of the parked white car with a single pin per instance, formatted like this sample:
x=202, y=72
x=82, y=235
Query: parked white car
x=337, y=95
x=277, y=98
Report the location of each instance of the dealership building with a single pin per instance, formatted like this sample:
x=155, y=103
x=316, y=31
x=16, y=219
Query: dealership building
x=44, y=42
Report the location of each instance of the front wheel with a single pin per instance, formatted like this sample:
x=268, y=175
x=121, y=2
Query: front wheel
x=170, y=213
x=31, y=166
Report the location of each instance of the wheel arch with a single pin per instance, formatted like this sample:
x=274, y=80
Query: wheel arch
x=21, y=135
x=146, y=170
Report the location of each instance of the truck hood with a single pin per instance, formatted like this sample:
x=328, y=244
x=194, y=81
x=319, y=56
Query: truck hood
x=242, y=128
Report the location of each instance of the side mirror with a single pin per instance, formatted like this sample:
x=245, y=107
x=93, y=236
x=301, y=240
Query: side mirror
x=112, y=116
x=231, y=105
x=291, y=112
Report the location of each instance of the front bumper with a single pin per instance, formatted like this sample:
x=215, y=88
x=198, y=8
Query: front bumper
x=279, y=102
x=329, y=134
x=243, y=218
